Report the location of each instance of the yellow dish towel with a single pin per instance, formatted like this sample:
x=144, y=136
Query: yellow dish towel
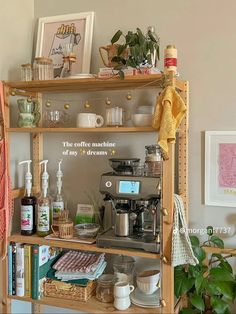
x=169, y=112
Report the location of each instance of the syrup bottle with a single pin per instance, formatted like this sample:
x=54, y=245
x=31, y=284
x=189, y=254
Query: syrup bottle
x=44, y=205
x=28, y=204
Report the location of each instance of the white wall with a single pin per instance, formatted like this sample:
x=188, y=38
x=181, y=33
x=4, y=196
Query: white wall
x=16, y=24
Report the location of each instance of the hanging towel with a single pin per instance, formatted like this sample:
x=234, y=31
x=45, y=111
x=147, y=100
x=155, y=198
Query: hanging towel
x=182, y=252
x=169, y=112
x=5, y=186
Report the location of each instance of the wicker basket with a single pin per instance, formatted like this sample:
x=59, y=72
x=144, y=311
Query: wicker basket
x=63, y=227
x=59, y=289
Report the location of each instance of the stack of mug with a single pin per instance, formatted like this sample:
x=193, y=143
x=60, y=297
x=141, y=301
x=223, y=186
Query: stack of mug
x=122, y=290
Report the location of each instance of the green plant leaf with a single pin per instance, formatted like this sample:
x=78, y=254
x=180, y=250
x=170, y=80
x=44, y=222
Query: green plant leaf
x=212, y=289
x=219, y=306
x=217, y=242
x=121, y=49
x=194, y=241
x=121, y=75
x=116, y=37
x=182, y=282
x=226, y=265
x=151, y=36
x=199, y=253
x=187, y=311
x=223, y=263
x=197, y=301
x=221, y=274
x=200, y=283
x=228, y=289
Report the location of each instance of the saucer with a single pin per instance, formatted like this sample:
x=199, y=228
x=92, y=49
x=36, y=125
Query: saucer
x=145, y=300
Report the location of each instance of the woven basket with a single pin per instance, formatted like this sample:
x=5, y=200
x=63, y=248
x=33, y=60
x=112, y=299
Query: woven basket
x=59, y=289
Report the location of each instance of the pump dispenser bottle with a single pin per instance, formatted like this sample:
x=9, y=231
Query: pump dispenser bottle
x=28, y=204
x=44, y=205
x=59, y=203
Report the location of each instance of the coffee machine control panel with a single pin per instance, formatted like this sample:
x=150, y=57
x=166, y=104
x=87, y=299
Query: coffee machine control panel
x=131, y=187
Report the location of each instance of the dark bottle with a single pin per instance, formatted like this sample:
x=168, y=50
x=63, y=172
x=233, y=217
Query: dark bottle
x=28, y=205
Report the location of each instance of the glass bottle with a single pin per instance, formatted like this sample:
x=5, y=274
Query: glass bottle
x=28, y=204
x=44, y=206
x=154, y=38
x=59, y=203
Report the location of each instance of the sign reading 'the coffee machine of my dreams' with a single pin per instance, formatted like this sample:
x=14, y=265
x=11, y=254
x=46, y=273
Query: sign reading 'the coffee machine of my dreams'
x=83, y=148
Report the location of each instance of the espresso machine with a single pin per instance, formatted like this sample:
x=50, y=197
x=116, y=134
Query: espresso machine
x=133, y=202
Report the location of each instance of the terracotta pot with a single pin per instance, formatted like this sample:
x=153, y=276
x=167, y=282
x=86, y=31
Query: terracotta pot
x=112, y=51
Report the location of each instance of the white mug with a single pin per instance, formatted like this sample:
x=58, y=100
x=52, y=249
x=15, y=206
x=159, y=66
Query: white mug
x=89, y=120
x=122, y=289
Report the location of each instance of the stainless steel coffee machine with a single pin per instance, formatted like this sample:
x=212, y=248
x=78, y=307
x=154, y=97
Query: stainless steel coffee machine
x=133, y=203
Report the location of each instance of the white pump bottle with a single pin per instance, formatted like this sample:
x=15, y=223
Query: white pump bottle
x=44, y=204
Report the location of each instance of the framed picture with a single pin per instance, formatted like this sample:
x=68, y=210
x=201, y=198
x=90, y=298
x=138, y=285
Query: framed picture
x=70, y=31
x=220, y=168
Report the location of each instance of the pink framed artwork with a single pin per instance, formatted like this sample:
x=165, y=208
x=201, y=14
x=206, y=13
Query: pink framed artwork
x=57, y=33
x=220, y=168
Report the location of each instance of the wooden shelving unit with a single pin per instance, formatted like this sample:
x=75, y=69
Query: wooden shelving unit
x=34, y=239
x=92, y=306
x=35, y=89
x=82, y=130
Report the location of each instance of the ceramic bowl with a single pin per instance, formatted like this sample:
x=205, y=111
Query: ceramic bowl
x=142, y=119
x=145, y=109
x=87, y=230
x=149, y=276
x=147, y=287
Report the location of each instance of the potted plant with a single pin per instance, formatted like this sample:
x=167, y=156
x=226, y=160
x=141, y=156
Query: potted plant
x=209, y=287
x=141, y=50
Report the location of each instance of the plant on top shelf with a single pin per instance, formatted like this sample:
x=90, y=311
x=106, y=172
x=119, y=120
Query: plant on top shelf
x=209, y=287
x=141, y=50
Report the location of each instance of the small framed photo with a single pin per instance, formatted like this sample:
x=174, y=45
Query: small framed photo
x=220, y=168
x=70, y=31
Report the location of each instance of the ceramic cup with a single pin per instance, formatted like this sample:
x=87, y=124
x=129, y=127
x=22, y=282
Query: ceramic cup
x=122, y=290
x=89, y=120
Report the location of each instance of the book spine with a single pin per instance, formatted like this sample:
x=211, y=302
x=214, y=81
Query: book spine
x=20, y=281
x=13, y=268
x=27, y=266
x=35, y=272
x=10, y=269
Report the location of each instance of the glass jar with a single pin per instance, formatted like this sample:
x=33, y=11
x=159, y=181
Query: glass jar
x=153, y=160
x=105, y=287
x=26, y=72
x=123, y=268
x=43, y=69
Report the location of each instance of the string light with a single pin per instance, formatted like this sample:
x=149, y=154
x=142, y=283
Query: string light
x=48, y=104
x=87, y=104
x=67, y=106
x=108, y=101
x=129, y=96
x=29, y=99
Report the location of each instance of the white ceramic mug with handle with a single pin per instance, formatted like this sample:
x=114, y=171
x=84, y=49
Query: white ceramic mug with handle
x=89, y=120
x=122, y=290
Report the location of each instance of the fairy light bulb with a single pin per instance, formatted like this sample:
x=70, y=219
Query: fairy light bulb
x=29, y=99
x=48, y=103
x=67, y=106
x=129, y=96
x=87, y=105
x=13, y=92
x=108, y=101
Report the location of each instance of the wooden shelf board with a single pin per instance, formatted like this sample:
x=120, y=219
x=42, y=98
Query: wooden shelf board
x=82, y=130
x=227, y=251
x=91, y=84
x=34, y=239
x=91, y=306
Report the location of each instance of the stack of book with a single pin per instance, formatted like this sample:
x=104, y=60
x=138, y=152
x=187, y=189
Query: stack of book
x=27, y=268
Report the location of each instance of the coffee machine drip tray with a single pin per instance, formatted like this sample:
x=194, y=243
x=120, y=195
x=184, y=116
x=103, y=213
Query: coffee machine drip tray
x=146, y=241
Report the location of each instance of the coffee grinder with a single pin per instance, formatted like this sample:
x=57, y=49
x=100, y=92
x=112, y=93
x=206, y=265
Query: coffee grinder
x=133, y=202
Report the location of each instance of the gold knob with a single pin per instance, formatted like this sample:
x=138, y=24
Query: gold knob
x=164, y=212
x=163, y=303
x=164, y=259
